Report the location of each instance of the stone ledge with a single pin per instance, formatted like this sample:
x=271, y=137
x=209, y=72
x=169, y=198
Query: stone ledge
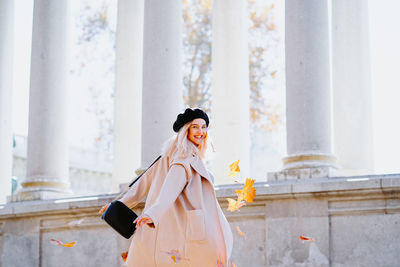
x=359, y=185
x=54, y=206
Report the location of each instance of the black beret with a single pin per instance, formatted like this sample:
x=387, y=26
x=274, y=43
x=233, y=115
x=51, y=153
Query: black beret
x=189, y=115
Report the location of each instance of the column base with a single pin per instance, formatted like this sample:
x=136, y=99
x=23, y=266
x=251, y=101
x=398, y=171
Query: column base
x=40, y=189
x=306, y=166
x=38, y=195
x=310, y=160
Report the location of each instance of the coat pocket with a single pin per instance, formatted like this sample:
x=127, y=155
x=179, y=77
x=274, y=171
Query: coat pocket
x=196, y=227
x=169, y=237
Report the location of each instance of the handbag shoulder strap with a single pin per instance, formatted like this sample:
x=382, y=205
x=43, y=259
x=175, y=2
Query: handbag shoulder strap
x=137, y=178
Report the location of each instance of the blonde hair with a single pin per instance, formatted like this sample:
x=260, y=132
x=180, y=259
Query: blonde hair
x=180, y=146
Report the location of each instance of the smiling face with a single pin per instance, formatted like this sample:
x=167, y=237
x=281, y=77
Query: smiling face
x=197, y=131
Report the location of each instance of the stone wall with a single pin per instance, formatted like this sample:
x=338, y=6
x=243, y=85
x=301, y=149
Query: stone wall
x=355, y=221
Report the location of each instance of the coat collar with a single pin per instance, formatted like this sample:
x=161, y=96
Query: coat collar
x=198, y=166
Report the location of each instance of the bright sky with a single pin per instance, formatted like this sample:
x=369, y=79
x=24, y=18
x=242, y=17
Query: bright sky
x=385, y=59
x=385, y=63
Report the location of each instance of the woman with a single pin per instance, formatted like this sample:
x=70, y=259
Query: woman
x=182, y=223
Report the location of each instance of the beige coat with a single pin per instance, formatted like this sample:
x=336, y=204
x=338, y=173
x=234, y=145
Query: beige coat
x=181, y=202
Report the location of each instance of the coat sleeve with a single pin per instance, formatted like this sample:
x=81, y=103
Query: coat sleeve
x=138, y=191
x=173, y=185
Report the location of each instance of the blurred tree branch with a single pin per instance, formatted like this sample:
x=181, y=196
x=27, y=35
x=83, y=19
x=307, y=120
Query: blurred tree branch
x=197, y=59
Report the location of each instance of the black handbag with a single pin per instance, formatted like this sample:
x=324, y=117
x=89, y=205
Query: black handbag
x=120, y=217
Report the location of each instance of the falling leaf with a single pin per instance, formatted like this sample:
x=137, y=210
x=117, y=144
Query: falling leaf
x=306, y=238
x=239, y=232
x=233, y=264
x=124, y=255
x=175, y=255
x=236, y=181
x=235, y=205
x=68, y=245
x=58, y=242
x=248, y=192
x=234, y=169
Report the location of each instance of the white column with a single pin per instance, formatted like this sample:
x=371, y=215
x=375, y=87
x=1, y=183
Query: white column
x=162, y=74
x=352, y=93
x=6, y=86
x=308, y=102
x=230, y=88
x=47, y=156
x=128, y=91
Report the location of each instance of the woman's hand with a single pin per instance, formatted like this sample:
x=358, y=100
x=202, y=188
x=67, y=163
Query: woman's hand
x=104, y=208
x=144, y=220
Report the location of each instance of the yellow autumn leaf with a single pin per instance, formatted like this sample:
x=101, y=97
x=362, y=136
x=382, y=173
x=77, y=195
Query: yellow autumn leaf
x=239, y=232
x=235, y=205
x=68, y=245
x=234, y=169
x=58, y=242
x=248, y=192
